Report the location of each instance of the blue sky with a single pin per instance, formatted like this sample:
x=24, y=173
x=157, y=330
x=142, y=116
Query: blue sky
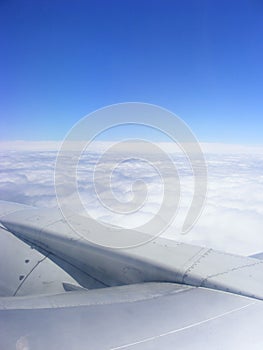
x=62, y=59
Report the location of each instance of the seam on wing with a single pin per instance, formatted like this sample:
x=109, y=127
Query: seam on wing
x=13, y=211
x=47, y=302
x=181, y=329
x=228, y=271
x=47, y=254
x=196, y=260
x=29, y=273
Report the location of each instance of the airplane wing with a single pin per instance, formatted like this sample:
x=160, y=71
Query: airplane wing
x=73, y=294
x=139, y=316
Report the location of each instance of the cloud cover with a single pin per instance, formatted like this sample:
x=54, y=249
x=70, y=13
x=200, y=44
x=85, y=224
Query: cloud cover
x=232, y=218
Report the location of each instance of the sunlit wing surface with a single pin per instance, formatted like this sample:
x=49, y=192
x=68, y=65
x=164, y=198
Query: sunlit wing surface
x=161, y=295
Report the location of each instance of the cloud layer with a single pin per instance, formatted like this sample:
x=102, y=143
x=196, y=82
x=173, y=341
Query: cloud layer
x=232, y=218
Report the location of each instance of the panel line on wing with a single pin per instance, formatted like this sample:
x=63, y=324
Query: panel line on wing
x=182, y=329
x=29, y=273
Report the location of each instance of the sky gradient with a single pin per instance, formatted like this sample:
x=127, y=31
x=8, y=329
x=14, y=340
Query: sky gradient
x=63, y=59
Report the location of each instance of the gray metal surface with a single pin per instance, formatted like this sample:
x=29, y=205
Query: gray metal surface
x=158, y=260
x=165, y=318
x=140, y=310
x=23, y=269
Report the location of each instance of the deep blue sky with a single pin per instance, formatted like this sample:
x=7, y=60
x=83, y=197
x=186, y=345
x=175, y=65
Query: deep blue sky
x=61, y=59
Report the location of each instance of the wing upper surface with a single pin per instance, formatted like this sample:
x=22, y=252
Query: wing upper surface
x=140, y=311
x=145, y=316
x=159, y=260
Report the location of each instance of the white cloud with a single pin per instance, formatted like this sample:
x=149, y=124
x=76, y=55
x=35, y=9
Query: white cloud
x=232, y=219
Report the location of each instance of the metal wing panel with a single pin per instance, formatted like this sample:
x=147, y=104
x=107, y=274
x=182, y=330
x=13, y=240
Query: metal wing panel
x=159, y=260
x=140, y=317
x=160, y=316
x=25, y=271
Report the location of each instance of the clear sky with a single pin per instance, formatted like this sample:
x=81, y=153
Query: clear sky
x=61, y=59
